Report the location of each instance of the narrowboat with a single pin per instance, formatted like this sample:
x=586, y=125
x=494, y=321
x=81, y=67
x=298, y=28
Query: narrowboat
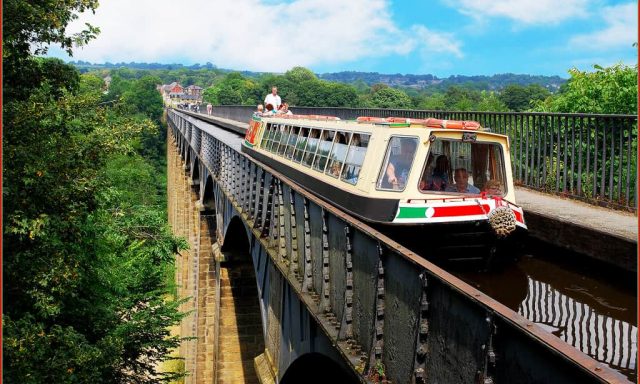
x=440, y=187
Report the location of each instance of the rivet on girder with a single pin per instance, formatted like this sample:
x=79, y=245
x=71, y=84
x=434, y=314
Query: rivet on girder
x=424, y=327
x=424, y=304
x=422, y=351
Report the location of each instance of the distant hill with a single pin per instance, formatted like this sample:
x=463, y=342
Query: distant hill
x=494, y=82
x=133, y=65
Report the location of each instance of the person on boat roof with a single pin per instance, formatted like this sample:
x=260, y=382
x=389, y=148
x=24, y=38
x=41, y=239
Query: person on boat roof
x=461, y=177
x=273, y=99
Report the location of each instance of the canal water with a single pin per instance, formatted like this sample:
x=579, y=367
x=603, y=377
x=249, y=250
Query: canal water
x=588, y=305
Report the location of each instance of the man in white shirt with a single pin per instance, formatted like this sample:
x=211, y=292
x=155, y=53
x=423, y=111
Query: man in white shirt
x=273, y=99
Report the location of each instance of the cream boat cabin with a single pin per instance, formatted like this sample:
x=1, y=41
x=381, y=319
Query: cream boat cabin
x=445, y=177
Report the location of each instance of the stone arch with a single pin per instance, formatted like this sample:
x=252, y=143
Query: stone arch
x=241, y=330
x=195, y=171
x=187, y=157
x=182, y=154
x=236, y=241
x=208, y=196
x=312, y=368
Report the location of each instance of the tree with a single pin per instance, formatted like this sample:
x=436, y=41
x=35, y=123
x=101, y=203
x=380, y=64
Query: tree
x=491, y=102
x=118, y=87
x=30, y=27
x=340, y=95
x=83, y=267
x=386, y=97
x=144, y=98
x=458, y=98
x=435, y=102
x=520, y=98
x=233, y=89
x=300, y=74
x=606, y=90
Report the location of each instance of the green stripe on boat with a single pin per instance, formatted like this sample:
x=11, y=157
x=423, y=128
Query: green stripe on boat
x=411, y=213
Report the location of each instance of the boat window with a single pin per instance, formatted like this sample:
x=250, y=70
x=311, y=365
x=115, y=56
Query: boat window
x=464, y=167
x=324, y=147
x=301, y=144
x=284, y=139
x=276, y=136
x=355, y=157
x=266, y=137
x=397, y=163
x=338, y=154
x=312, y=145
x=291, y=145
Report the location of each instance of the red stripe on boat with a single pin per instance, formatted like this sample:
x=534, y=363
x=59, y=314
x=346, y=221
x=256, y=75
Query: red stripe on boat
x=465, y=210
x=518, y=216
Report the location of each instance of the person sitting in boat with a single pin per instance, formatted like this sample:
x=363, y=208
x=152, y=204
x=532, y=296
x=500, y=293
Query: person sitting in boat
x=335, y=169
x=284, y=110
x=461, y=177
x=492, y=187
x=425, y=180
x=269, y=110
x=441, y=169
x=399, y=165
x=433, y=183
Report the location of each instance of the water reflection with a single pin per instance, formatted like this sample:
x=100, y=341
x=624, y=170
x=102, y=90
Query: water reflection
x=590, y=311
x=605, y=338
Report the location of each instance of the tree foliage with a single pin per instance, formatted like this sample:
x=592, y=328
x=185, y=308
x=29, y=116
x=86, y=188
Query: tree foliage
x=29, y=27
x=143, y=97
x=382, y=96
x=520, y=98
x=606, y=90
x=234, y=89
x=86, y=244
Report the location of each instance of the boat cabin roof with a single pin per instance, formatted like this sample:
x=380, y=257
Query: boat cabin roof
x=328, y=122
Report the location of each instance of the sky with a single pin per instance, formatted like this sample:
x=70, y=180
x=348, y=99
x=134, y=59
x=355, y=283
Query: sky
x=439, y=37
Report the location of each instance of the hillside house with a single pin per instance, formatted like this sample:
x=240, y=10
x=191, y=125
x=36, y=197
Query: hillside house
x=194, y=90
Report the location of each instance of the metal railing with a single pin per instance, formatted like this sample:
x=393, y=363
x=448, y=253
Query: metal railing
x=583, y=156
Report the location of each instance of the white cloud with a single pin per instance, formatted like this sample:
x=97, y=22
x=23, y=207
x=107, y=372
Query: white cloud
x=621, y=29
x=527, y=12
x=435, y=42
x=249, y=34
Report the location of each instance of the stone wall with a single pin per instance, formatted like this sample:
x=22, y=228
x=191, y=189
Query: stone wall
x=195, y=270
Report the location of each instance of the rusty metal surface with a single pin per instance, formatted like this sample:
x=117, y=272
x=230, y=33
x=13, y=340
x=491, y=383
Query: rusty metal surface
x=506, y=346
